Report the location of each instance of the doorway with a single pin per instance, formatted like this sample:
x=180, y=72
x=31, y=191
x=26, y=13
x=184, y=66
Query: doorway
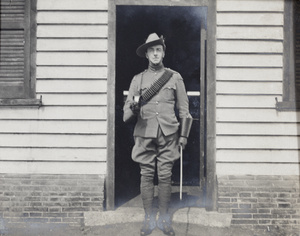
x=184, y=30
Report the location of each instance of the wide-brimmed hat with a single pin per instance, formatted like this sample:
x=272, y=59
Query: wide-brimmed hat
x=152, y=40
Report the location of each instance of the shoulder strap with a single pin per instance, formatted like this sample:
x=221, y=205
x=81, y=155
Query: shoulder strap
x=140, y=77
x=156, y=86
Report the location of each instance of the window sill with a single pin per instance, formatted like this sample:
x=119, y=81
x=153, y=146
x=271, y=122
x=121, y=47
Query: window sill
x=24, y=102
x=288, y=106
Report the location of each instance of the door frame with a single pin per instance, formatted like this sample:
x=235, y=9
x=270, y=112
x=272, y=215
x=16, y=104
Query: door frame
x=211, y=180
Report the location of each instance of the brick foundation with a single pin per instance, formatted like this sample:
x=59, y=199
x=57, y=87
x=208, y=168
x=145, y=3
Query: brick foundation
x=270, y=203
x=49, y=198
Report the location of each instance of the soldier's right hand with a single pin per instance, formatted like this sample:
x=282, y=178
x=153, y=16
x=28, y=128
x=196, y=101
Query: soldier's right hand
x=135, y=107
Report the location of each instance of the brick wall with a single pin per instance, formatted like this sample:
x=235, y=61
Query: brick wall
x=268, y=203
x=49, y=198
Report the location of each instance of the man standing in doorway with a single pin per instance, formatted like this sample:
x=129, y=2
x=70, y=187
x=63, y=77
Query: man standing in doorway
x=153, y=97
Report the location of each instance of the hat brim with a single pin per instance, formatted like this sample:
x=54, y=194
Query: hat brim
x=141, y=50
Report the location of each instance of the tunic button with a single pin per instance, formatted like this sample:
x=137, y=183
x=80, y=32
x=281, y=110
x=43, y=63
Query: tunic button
x=156, y=102
x=156, y=113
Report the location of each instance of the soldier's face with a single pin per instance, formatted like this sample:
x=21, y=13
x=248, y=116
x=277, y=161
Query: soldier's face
x=155, y=54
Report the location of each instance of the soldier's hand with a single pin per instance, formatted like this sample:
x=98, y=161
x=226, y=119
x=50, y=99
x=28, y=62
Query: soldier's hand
x=135, y=107
x=182, y=142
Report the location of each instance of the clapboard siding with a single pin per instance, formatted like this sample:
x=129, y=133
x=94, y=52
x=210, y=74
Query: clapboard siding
x=46, y=154
x=257, y=169
x=233, y=60
x=72, y=5
x=257, y=142
x=250, y=5
x=250, y=19
x=72, y=58
x=249, y=74
x=72, y=86
x=252, y=137
x=72, y=31
x=240, y=87
x=256, y=115
x=250, y=32
x=99, y=17
x=53, y=126
x=69, y=130
x=74, y=99
x=245, y=101
x=43, y=167
x=72, y=45
x=53, y=140
x=70, y=72
x=56, y=113
x=244, y=128
x=244, y=46
x=258, y=156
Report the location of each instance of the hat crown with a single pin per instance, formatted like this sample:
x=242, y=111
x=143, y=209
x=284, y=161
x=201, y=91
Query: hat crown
x=152, y=37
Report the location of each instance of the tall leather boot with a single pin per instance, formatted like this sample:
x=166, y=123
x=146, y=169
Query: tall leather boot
x=164, y=222
x=147, y=193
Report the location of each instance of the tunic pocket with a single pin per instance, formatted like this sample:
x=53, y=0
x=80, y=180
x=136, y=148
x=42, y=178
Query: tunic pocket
x=168, y=92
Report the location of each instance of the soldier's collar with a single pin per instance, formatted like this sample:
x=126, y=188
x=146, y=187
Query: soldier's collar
x=155, y=68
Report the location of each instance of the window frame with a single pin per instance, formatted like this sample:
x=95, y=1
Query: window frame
x=30, y=36
x=288, y=96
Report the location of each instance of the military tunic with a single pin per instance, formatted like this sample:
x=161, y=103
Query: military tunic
x=160, y=110
x=156, y=130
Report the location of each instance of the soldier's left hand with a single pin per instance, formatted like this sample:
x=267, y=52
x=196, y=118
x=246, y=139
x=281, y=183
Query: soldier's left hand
x=182, y=142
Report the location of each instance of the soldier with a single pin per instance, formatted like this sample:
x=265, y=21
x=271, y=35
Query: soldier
x=153, y=97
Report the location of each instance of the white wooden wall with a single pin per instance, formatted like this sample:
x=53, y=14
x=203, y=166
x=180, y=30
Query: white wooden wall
x=252, y=137
x=67, y=134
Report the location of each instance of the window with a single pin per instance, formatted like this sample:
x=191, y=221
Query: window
x=291, y=70
x=17, y=52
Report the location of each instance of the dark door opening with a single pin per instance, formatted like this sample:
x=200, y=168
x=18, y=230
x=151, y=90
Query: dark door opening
x=182, y=28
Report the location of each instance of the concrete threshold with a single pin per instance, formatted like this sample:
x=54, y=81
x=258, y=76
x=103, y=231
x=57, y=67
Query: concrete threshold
x=199, y=216
x=187, y=215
